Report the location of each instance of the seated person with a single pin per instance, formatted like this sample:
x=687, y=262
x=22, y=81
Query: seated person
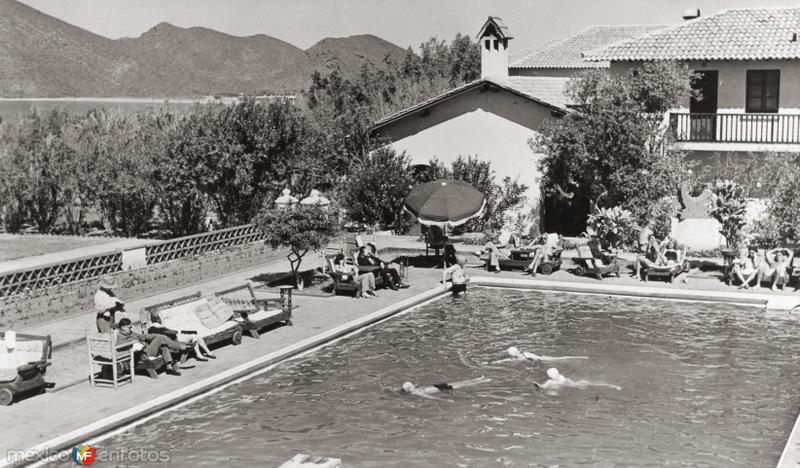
x=497, y=252
x=450, y=255
x=426, y=392
x=153, y=344
x=747, y=266
x=365, y=281
x=458, y=276
x=653, y=256
x=775, y=267
x=390, y=275
x=190, y=337
x=545, y=247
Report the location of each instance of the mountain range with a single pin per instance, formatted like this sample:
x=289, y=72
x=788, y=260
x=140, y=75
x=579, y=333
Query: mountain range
x=42, y=56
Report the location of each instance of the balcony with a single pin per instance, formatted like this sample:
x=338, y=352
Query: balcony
x=735, y=128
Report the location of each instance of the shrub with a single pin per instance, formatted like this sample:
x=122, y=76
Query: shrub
x=612, y=226
x=301, y=229
x=376, y=190
x=729, y=208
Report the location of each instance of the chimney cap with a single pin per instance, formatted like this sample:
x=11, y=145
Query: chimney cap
x=691, y=13
x=494, y=25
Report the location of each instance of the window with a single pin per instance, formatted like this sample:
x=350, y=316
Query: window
x=496, y=44
x=488, y=43
x=763, y=87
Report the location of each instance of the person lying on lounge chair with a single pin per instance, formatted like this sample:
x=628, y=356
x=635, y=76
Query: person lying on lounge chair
x=556, y=381
x=747, y=266
x=190, y=337
x=429, y=390
x=653, y=256
x=517, y=355
x=365, y=281
x=545, y=248
x=153, y=344
x=775, y=267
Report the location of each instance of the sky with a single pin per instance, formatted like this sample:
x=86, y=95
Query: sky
x=403, y=22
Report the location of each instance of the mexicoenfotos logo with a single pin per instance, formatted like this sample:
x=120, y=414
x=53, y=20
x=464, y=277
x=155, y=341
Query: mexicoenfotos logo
x=83, y=454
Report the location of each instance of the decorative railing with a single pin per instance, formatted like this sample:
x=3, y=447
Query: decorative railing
x=202, y=243
x=84, y=268
x=20, y=281
x=736, y=128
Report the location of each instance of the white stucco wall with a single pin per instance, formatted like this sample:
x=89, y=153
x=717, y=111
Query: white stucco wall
x=494, y=125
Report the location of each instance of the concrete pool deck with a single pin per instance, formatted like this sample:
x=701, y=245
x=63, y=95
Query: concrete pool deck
x=60, y=419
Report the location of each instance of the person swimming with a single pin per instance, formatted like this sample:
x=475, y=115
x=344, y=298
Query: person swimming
x=556, y=381
x=430, y=390
x=517, y=355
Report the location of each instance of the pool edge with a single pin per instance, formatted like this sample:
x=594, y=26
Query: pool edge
x=41, y=452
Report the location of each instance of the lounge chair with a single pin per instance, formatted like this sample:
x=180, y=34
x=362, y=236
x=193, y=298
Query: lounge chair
x=592, y=261
x=255, y=314
x=435, y=239
x=23, y=364
x=676, y=264
x=345, y=283
x=212, y=319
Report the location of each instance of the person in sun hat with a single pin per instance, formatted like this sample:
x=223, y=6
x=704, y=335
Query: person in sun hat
x=106, y=304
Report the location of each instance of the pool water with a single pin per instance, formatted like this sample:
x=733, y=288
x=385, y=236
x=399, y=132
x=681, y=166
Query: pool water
x=701, y=385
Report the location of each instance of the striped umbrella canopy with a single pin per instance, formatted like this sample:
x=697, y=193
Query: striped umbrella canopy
x=445, y=202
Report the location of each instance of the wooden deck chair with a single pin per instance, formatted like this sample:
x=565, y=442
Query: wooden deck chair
x=116, y=361
x=254, y=314
x=435, y=239
x=591, y=264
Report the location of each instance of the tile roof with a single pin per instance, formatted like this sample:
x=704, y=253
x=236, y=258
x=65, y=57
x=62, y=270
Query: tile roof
x=568, y=52
x=546, y=88
x=525, y=86
x=737, y=34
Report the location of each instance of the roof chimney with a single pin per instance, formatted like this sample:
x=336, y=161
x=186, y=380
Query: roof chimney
x=691, y=13
x=493, y=40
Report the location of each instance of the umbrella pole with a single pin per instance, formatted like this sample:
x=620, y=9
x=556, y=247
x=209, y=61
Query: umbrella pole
x=444, y=257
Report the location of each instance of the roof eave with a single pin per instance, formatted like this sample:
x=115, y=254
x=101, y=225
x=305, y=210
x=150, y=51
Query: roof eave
x=456, y=92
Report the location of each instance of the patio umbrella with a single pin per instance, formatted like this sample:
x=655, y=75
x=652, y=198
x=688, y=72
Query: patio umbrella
x=445, y=202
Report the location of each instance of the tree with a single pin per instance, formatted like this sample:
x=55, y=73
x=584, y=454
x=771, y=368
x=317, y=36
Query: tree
x=729, y=208
x=500, y=198
x=616, y=143
x=301, y=229
x=377, y=188
x=37, y=159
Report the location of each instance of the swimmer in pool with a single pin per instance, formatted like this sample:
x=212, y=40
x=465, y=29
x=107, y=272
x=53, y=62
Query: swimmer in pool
x=429, y=390
x=517, y=355
x=555, y=381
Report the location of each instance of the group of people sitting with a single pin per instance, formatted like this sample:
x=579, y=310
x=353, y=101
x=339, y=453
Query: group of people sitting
x=368, y=265
x=172, y=345
x=772, y=266
x=543, y=247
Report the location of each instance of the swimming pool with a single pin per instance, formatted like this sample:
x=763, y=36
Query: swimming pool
x=701, y=385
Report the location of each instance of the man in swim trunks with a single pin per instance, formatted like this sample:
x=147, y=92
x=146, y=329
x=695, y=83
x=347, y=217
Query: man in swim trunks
x=747, y=266
x=555, y=381
x=429, y=390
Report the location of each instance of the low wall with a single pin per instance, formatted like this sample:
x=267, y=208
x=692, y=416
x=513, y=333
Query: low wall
x=58, y=301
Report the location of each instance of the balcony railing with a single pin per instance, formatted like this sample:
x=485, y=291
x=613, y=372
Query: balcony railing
x=735, y=128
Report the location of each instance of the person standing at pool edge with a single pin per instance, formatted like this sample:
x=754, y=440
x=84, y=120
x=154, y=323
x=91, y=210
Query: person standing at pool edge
x=458, y=277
